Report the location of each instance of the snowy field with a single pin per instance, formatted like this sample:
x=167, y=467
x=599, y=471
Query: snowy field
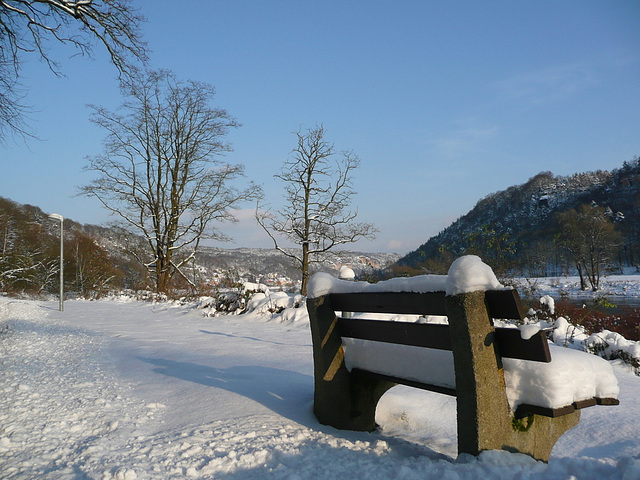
x=613, y=287
x=119, y=389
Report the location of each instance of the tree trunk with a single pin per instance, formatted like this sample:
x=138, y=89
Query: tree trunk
x=163, y=275
x=305, y=268
x=583, y=283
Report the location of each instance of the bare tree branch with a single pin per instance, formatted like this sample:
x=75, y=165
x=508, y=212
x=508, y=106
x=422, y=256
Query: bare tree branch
x=318, y=194
x=28, y=26
x=160, y=172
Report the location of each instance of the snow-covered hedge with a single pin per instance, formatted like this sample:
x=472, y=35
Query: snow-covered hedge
x=256, y=300
x=606, y=344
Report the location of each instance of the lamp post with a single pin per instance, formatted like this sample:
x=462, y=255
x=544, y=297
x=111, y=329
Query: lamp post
x=55, y=216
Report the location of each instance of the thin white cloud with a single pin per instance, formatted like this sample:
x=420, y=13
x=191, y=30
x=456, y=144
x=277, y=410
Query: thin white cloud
x=397, y=246
x=464, y=141
x=548, y=84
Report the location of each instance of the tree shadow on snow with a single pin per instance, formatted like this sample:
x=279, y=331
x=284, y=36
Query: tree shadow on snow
x=287, y=393
x=255, y=339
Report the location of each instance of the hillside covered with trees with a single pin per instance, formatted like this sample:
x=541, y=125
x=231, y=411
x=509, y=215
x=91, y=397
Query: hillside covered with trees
x=586, y=223
x=99, y=259
x=30, y=254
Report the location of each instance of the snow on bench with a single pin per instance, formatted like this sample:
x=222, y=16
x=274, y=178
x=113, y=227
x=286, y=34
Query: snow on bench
x=357, y=359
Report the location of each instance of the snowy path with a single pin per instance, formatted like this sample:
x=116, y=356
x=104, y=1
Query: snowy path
x=129, y=390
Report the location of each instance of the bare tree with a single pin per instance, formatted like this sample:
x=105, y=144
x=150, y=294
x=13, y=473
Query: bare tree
x=318, y=194
x=159, y=172
x=27, y=26
x=590, y=238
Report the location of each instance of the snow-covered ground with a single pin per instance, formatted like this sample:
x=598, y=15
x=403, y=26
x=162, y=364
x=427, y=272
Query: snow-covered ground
x=119, y=389
x=613, y=286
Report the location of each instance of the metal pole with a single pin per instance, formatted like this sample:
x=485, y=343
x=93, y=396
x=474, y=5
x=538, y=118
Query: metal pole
x=61, y=264
x=56, y=216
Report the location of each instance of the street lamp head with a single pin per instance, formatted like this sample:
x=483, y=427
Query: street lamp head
x=56, y=216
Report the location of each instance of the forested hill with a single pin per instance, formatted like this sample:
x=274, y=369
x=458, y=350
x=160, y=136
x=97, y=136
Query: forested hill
x=518, y=228
x=98, y=259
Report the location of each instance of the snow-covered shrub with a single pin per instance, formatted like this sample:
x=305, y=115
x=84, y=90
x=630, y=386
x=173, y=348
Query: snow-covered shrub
x=566, y=334
x=565, y=331
x=223, y=303
x=232, y=301
x=273, y=303
x=613, y=346
x=278, y=306
x=548, y=302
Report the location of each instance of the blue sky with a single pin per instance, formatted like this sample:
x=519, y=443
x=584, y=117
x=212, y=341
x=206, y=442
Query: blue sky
x=444, y=102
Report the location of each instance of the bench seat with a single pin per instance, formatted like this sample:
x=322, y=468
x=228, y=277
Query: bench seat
x=571, y=380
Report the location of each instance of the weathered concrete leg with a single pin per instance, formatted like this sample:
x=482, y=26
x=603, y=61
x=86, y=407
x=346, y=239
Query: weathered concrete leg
x=536, y=435
x=485, y=421
x=341, y=399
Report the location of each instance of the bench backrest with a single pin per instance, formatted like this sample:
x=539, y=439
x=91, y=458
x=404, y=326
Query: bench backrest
x=500, y=304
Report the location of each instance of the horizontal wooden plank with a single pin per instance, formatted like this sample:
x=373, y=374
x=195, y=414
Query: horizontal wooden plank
x=511, y=345
x=407, y=382
x=429, y=335
x=407, y=303
x=590, y=402
x=500, y=303
x=505, y=304
x=525, y=410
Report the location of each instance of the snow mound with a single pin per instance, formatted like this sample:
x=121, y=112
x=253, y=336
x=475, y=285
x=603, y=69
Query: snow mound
x=612, y=344
x=470, y=274
x=276, y=302
x=549, y=302
x=466, y=274
x=278, y=306
x=571, y=375
x=323, y=284
x=346, y=273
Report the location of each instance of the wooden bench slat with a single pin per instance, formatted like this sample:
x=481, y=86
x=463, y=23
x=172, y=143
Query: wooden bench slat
x=500, y=303
x=505, y=304
x=525, y=410
x=511, y=345
x=404, y=381
x=405, y=303
x=429, y=335
x=589, y=402
x=426, y=335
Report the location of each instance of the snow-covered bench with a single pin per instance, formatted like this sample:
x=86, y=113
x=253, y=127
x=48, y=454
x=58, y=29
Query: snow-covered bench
x=513, y=391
